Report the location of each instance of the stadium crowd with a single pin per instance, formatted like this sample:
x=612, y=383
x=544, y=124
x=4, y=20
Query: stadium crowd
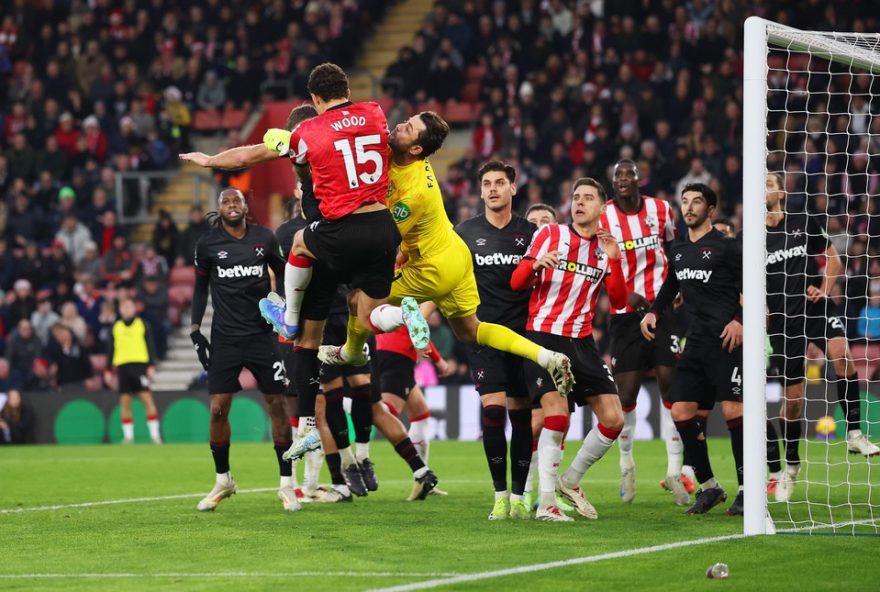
x=564, y=90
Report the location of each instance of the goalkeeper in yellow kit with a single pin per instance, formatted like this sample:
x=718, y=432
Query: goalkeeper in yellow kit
x=436, y=262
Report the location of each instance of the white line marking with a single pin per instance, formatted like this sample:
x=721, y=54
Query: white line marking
x=486, y=575
x=160, y=498
x=234, y=574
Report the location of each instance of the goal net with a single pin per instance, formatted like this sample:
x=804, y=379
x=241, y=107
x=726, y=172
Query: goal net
x=812, y=214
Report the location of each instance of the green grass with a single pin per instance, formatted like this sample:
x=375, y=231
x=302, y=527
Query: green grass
x=250, y=534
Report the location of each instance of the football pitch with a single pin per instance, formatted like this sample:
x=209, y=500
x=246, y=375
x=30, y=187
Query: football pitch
x=123, y=518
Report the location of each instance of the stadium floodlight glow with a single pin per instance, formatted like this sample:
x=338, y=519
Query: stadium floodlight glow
x=800, y=87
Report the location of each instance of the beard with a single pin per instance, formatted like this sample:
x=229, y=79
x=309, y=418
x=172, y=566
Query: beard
x=235, y=223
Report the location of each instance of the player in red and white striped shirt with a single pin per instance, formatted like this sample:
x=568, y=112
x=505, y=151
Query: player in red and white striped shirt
x=567, y=265
x=643, y=228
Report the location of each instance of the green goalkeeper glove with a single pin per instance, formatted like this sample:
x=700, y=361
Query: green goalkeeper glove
x=277, y=140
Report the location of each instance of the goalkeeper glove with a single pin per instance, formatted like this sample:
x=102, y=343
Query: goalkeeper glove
x=203, y=348
x=277, y=140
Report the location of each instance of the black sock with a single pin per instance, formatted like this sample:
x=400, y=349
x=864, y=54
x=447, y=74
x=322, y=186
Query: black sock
x=736, y=443
x=334, y=463
x=495, y=444
x=362, y=412
x=305, y=376
x=791, y=433
x=336, y=420
x=520, y=448
x=285, y=467
x=773, y=462
x=696, y=453
x=408, y=452
x=220, y=452
x=848, y=397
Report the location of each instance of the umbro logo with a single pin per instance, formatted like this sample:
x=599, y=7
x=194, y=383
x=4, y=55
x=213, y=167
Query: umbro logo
x=481, y=242
x=678, y=256
x=222, y=255
x=539, y=381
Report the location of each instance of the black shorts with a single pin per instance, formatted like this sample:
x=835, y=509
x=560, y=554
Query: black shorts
x=334, y=334
x=285, y=354
x=788, y=338
x=495, y=371
x=707, y=373
x=823, y=324
x=592, y=377
x=359, y=248
x=630, y=351
x=257, y=353
x=132, y=378
x=396, y=373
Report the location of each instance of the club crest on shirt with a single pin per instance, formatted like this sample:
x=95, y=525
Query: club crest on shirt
x=259, y=250
x=707, y=253
x=400, y=212
x=520, y=240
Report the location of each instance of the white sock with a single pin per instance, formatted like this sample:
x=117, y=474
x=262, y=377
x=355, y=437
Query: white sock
x=674, y=447
x=314, y=461
x=549, y=456
x=533, y=468
x=688, y=471
x=710, y=484
x=128, y=430
x=419, y=433
x=362, y=451
x=296, y=280
x=501, y=494
x=625, y=440
x=347, y=457
x=343, y=489
x=775, y=476
x=287, y=482
x=227, y=476
x=515, y=498
x=544, y=357
x=387, y=318
x=153, y=425
x=306, y=425
x=594, y=447
x=420, y=472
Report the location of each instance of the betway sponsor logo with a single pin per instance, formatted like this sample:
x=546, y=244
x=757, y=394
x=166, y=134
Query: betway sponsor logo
x=701, y=275
x=497, y=259
x=594, y=274
x=240, y=271
x=643, y=242
x=785, y=254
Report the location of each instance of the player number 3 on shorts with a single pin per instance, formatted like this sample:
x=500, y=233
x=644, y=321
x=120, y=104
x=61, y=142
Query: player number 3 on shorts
x=363, y=157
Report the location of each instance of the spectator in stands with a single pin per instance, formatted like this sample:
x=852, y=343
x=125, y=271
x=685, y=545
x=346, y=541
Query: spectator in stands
x=154, y=297
x=212, y=92
x=96, y=139
x=486, y=140
x=16, y=420
x=89, y=303
x=179, y=118
x=152, y=265
x=195, y=229
x=20, y=303
x=119, y=264
x=7, y=267
x=166, y=237
x=91, y=264
x=107, y=232
x=68, y=360
x=58, y=266
x=24, y=219
x=696, y=174
x=67, y=135
x=72, y=320
x=445, y=79
x=106, y=318
x=53, y=159
x=22, y=159
x=24, y=351
x=74, y=236
x=868, y=324
x=43, y=318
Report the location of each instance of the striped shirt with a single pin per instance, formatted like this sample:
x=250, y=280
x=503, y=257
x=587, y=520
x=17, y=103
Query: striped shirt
x=564, y=299
x=642, y=237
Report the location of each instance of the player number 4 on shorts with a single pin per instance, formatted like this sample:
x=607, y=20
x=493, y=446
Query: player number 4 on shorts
x=736, y=377
x=279, y=371
x=363, y=157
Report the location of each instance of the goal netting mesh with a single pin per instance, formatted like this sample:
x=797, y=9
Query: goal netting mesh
x=823, y=141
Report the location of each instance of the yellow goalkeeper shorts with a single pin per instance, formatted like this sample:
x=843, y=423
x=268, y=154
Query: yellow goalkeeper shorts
x=446, y=278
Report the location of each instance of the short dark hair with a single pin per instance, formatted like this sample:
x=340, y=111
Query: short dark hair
x=538, y=207
x=628, y=162
x=434, y=134
x=494, y=166
x=300, y=114
x=704, y=190
x=590, y=181
x=328, y=81
x=780, y=180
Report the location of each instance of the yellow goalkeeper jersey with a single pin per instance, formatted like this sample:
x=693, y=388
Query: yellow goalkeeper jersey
x=417, y=207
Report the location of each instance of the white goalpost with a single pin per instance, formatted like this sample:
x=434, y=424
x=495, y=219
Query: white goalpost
x=807, y=113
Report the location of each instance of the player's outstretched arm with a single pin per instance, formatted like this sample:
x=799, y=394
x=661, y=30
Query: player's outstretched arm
x=234, y=158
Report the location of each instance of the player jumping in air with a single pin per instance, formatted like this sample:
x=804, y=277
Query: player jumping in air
x=706, y=267
x=566, y=266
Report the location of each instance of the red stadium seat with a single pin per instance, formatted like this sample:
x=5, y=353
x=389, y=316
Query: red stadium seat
x=475, y=72
x=471, y=92
x=867, y=359
x=206, y=121
x=175, y=315
x=386, y=103
x=182, y=276
x=460, y=113
x=234, y=119
x=432, y=105
x=180, y=296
